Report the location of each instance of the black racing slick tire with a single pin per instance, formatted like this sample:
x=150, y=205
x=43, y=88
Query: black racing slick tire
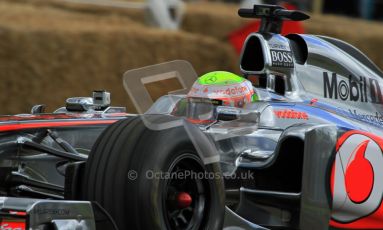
x=148, y=179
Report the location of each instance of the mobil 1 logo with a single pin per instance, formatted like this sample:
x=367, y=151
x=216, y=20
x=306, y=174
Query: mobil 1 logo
x=282, y=58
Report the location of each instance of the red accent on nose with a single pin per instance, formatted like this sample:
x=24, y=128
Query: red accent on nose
x=359, y=176
x=184, y=200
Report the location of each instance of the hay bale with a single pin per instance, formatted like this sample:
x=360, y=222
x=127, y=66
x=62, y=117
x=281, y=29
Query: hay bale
x=212, y=19
x=46, y=63
x=206, y=18
x=35, y=16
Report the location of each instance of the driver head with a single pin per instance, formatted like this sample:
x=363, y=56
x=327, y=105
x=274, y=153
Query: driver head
x=227, y=87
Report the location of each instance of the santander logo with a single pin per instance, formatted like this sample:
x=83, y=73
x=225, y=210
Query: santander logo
x=357, y=182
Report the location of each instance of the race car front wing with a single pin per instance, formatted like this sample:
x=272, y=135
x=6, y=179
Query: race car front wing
x=25, y=213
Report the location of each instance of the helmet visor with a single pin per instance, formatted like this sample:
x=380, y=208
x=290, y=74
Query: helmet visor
x=198, y=110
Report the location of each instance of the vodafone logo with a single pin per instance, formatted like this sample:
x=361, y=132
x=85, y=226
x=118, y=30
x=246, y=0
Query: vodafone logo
x=291, y=114
x=236, y=90
x=357, y=181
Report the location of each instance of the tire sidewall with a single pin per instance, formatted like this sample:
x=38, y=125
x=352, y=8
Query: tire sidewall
x=161, y=161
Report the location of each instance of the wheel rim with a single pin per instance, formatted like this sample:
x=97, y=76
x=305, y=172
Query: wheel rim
x=185, y=199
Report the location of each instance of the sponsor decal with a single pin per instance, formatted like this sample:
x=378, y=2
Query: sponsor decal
x=12, y=224
x=211, y=79
x=280, y=58
x=358, y=89
x=278, y=46
x=376, y=118
x=357, y=182
x=291, y=114
x=232, y=91
x=52, y=211
x=193, y=90
x=221, y=91
x=372, y=118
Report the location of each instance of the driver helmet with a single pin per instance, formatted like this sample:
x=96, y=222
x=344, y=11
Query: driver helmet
x=229, y=88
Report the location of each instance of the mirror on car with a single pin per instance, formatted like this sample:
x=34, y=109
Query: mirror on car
x=226, y=113
x=38, y=109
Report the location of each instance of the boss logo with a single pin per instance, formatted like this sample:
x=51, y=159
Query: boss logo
x=357, y=181
x=281, y=58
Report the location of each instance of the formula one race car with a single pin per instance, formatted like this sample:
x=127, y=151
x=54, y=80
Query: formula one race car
x=307, y=154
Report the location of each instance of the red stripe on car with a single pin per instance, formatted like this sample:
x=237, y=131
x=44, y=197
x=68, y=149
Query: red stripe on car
x=34, y=125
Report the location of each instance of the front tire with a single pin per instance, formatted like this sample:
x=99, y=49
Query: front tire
x=149, y=179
